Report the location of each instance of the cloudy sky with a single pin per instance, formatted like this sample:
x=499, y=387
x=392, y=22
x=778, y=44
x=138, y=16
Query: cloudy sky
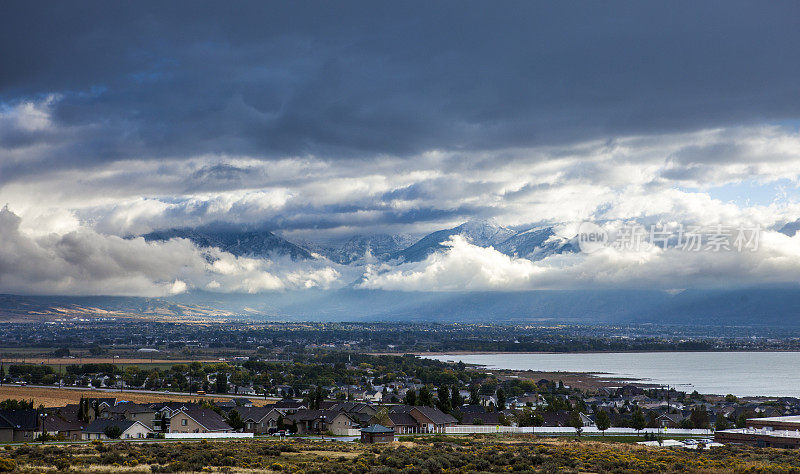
x=322, y=120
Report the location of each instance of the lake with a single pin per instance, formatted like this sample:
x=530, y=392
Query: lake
x=739, y=373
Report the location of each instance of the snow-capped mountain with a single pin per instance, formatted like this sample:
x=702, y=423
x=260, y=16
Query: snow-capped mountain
x=536, y=244
x=240, y=240
x=237, y=240
x=354, y=249
x=478, y=232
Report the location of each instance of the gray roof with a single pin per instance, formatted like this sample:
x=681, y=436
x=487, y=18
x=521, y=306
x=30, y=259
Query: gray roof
x=19, y=419
x=253, y=413
x=60, y=423
x=132, y=407
x=435, y=415
x=100, y=425
x=377, y=429
x=209, y=419
x=402, y=419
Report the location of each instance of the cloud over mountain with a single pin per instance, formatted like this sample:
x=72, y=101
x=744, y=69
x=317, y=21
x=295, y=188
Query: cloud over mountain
x=325, y=123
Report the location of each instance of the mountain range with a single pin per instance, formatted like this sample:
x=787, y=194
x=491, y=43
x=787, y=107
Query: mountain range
x=747, y=307
x=248, y=241
x=754, y=307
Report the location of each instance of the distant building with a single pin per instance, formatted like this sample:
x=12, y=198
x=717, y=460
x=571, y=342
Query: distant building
x=128, y=429
x=771, y=432
x=198, y=420
x=18, y=425
x=377, y=434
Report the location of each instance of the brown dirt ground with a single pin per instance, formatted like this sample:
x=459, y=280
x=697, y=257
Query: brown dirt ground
x=52, y=397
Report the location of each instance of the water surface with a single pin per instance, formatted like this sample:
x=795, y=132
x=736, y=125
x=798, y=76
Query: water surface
x=739, y=373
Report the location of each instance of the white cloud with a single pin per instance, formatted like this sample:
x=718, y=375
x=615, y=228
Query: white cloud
x=85, y=262
x=466, y=267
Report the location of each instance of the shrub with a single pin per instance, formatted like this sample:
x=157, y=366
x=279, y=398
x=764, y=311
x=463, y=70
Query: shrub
x=7, y=465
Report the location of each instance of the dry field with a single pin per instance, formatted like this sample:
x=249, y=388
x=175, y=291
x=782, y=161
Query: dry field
x=51, y=397
x=96, y=360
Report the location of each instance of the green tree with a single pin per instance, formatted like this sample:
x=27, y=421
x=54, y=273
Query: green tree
x=222, y=382
x=456, y=400
x=425, y=398
x=410, y=397
x=443, y=399
x=61, y=352
x=638, y=421
x=235, y=420
x=113, y=431
x=603, y=421
x=473, y=395
x=699, y=417
x=721, y=423
x=501, y=399
x=576, y=422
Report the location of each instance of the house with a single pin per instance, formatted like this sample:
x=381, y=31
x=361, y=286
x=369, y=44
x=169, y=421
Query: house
x=66, y=428
x=98, y=407
x=311, y=421
x=485, y=418
x=343, y=424
x=355, y=407
x=259, y=420
x=135, y=412
x=377, y=434
x=403, y=422
x=198, y=420
x=165, y=410
x=18, y=426
x=128, y=429
x=432, y=420
x=586, y=419
x=288, y=405
x=670, y=420
x=235, y=403
x=555, y=418
x=487, y=400
x=772, y=432
x=373, y=396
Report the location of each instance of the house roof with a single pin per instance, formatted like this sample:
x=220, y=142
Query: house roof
x=288, y=403
x=435, y=415
x=353, y=407
x=253, y=413
x=59, y=423
x=208, y=419
x=100, y=425
x=131, y=407
x=472, y=409
x=19, y=419
x=110, y=401
x=492, y=418
x=402, y=419
x=555, y=418
x=377, y=429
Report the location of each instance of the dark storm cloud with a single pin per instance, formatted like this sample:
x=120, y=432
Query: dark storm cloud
x=338, y=79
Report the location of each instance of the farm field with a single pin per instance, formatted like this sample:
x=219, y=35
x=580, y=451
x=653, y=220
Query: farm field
x=50, y=397
x=99, y=360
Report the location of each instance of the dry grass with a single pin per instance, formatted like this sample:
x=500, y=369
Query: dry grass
x=54, y=397
x=98, y=360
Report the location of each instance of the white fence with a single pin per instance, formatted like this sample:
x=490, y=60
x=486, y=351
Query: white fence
x=591, y=430
x=206, y=435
